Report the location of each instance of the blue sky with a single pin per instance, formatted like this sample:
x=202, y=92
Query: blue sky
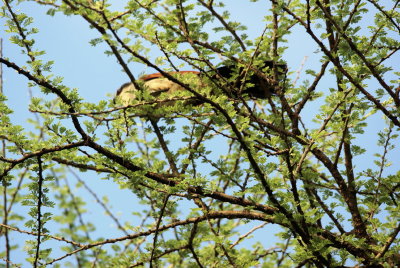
x=97, y=76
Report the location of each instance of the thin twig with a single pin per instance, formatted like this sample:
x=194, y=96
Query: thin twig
x=160, y=217
x=39, y=210
x=247, y=234
x=43, y=235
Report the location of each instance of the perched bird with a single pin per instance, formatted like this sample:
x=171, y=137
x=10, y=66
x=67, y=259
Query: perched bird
x=156, y=83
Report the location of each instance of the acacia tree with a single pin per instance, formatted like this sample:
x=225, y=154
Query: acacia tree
x=200, y=203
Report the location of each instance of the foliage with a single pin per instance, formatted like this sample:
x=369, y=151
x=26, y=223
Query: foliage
x=212, y=179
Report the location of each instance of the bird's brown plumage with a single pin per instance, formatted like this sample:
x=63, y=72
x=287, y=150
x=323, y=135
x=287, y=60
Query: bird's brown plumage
x=156, y=83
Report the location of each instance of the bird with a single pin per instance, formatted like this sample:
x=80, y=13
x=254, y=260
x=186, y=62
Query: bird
x=156, y=83
x=257, y=88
